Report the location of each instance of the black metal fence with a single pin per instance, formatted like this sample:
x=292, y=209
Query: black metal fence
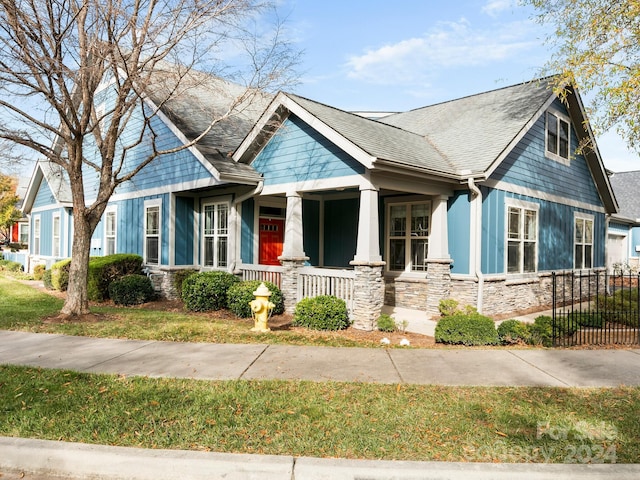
x=595, y=308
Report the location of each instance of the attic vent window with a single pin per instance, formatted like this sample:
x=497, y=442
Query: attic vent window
x=558, y=137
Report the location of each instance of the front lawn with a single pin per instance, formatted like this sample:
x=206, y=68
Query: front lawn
x=328, y=419
x=24, y=307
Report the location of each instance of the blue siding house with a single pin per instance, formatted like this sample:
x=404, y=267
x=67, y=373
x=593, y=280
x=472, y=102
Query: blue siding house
x=477, y=199
x=623, y=243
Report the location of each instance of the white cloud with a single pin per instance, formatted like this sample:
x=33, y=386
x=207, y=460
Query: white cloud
x=448, y=45
x=495, y=7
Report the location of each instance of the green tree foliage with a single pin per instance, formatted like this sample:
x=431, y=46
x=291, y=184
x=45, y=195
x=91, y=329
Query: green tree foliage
x=596, y=46
x=9, y=214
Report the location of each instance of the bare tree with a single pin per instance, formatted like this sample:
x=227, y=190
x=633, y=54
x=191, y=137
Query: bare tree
x=57, y=55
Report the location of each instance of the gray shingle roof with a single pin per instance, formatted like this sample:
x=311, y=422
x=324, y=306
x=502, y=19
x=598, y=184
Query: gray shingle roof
x=203, y=97
x=385, y=142
x=625, y=187
x=472, y=132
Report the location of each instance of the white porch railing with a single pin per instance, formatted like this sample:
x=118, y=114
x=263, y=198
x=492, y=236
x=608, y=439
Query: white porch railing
x=312, y=281
x=325, y=281
x=264, y=273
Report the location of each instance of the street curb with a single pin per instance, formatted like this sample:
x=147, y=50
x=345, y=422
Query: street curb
x=98, y=462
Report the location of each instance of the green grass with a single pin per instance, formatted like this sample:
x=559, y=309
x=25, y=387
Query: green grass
x=409, y=422
x=22, y=307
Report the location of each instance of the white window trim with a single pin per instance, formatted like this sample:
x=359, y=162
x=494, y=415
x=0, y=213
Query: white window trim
x=156, y=202
x=37, y=228
x=56, y=244
x=216, y=261
x=588, y=217
x=387, y=237
x=109, y=211
x=555, y=156
x=21, y=227
x=525, y=205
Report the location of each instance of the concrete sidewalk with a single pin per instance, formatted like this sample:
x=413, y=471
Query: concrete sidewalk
x=439, y=366
x=40, y=460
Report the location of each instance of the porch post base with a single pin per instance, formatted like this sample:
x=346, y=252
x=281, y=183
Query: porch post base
x=368, y=295
x=289, y=280
x=438, y=284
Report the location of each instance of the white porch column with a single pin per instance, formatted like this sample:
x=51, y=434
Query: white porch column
x=293, y=245
x=368, y=245
x=439, y=236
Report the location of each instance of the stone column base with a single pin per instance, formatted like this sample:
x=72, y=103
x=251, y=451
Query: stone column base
x=289, y=280
x=438, y=284
x=368, y=295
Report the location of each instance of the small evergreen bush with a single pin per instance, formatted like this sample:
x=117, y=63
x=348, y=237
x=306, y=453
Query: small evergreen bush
x=542, y=331
x=466, y=329
x=512, y=332
x=324, y=312
x=104, y=270
x=38, y=272
x=131, y=290
x=46, y=279
x=206, y=291
x=240, y=294
x=386, y=323
x=60, y=275
x=10, y=266
x=179, y=277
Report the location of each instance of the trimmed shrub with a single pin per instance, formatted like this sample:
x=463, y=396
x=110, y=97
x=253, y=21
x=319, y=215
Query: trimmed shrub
x=386, y=323
x=104, y=270
x=131, y=290
x=46, y=279
x=511, y=332
x=38, y=272
x=240, y=294
x=466, y=329
x=206, y=291
x=324, y=312
x=542, y=331
x=10, y=266
x=179, y=277
x=60, y=274
x=448, y=307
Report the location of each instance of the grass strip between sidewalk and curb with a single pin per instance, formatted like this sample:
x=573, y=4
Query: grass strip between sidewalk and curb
x=329, y=419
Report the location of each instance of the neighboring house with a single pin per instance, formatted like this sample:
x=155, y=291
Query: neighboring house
x=623, y=242
x=477, y=199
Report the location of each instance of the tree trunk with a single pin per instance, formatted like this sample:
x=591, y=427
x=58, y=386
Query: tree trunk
x=77, y=301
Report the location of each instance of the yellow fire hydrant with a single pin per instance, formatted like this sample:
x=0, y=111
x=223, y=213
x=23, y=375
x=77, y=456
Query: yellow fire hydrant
x=261, y=308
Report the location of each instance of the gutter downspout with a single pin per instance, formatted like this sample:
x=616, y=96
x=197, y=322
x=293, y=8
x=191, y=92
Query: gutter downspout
x=238, y=224
x=476, y=238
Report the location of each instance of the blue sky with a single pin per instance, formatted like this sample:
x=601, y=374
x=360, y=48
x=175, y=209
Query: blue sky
x=385, y=55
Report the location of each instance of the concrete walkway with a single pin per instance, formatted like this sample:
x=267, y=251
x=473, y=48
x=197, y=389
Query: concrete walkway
x=492, y=367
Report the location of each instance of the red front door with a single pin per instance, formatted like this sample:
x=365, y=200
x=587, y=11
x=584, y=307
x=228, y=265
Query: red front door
x=271, y=240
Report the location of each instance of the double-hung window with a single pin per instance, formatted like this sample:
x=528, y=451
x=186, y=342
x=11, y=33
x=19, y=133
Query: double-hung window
x=558, y=137
x=152, y=234
x=110, y=232
x=36, y=235
x=522, y=238
x=55, y=239
x=583, y=241
x=215, y=234
x=408, y=236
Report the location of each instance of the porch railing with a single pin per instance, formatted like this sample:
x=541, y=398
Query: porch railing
x=313, y=282
x=263, y=273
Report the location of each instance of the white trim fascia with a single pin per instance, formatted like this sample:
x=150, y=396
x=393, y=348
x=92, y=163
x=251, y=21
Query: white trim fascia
x=351, y=181
x=282, y=100
x=530, y=192
x=330, y=134
x=176, y=187
x=178, y=133
x=512, y=144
